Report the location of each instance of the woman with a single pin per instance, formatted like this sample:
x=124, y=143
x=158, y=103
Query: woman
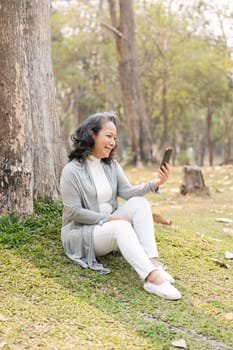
x=93, y=224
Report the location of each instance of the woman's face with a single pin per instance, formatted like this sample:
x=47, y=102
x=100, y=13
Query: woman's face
x=105, y=140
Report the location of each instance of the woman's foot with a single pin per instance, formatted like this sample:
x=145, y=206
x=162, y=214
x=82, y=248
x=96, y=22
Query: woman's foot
x=157, y=284
x=165, y=290
x=155, y=277
x=160, y=267
x=166, y=275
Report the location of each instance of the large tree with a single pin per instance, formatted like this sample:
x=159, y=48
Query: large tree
x=31, y=146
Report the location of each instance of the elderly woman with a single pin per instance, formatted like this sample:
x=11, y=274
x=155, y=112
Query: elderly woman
x=93, y=224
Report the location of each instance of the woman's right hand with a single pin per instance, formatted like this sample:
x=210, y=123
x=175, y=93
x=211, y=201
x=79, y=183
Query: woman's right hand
x=162, y=175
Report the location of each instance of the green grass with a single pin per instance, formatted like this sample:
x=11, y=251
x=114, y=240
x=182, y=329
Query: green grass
x=47, y=302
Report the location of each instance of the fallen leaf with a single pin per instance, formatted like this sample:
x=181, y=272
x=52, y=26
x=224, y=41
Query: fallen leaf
x=180, y=343
x=228, y=255
x=3, y=318
x=228, y=230
x=200, y=234
x=175, y=190
x=172, y=202
x=224, y=220
x=219, y=190
x=221, y=263
x=217, y=211
x=214, y=239
x=158, y=218
x=2, y=343
x=229, y=316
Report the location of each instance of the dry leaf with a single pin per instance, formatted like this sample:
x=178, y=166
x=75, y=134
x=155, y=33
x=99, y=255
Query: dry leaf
x=3, y=318
x=228, y=255
x=214, y=239
x=2, y=343
x=228, y=230
x=158, y=218
x=229, y=316
x=217, y=211
x=180, y=343
x=219, y=190
x=175, y=190
x=221, y=263
x=224, y=220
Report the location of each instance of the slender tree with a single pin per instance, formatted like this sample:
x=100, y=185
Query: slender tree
x=32, y=151
x=140, y=135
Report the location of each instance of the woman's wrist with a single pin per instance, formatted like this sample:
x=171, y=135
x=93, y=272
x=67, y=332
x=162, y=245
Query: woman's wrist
x=157, y=182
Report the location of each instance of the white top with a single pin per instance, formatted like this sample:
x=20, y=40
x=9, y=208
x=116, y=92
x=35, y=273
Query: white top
x=103, y=188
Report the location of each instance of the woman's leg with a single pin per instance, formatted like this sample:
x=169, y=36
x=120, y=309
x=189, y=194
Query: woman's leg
x=120, y=234
x=138, y=210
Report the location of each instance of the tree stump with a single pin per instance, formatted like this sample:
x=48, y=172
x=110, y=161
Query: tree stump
x=193, y=182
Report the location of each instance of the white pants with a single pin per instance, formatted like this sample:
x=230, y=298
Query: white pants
x=136, y=242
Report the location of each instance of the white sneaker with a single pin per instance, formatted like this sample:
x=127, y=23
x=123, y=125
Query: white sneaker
x=164, y=290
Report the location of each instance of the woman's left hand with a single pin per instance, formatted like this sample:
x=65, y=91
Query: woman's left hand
x=162, y=175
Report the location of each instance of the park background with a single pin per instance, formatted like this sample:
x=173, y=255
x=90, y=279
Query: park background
x=174, y=75
x=170, y=84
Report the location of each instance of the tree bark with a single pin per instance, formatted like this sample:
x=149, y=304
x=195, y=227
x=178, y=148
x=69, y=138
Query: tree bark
x=208, y=134
x=140, y=136
x=228, y=139
x=32, y=151
x=164, y=112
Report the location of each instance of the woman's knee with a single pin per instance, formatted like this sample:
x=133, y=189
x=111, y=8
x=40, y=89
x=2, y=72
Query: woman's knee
x=122, y=225
x=123, y=228
x=139, y=201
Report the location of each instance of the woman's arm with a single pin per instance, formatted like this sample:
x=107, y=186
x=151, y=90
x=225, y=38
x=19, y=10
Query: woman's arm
x=126, y=190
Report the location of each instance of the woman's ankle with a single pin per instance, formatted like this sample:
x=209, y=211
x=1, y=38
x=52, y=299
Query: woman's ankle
x=155, y=277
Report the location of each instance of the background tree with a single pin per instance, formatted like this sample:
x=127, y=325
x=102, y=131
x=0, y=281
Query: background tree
x=140, y=136
x=182, y=65
x=84, y=65
x=185, y=72
x=32, y=152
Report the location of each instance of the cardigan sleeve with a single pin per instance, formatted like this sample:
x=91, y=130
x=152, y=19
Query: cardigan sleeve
x=126, y=190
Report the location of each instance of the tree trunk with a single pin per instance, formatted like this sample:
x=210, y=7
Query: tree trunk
x=164, y=112
x=227, y=151
x=32, y=152
x=228, y=139
x=193, y=182
x=208, y=134
x=140, y=136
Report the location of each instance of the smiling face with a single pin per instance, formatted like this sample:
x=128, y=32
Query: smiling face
x=105, y=140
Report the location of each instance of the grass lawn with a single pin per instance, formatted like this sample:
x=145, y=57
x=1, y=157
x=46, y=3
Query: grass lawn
x=47, y=302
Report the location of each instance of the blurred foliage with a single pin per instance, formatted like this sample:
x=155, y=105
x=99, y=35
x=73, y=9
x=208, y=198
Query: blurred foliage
x=185, y=71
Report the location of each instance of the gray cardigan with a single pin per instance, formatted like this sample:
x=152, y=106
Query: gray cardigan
x=81, y=209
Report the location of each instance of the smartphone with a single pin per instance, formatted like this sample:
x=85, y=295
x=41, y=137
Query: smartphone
x=166, y=156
